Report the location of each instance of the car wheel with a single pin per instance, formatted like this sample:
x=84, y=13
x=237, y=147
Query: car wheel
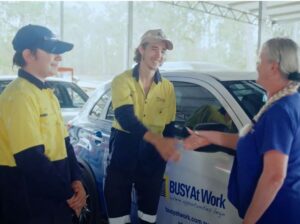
x=94, y=216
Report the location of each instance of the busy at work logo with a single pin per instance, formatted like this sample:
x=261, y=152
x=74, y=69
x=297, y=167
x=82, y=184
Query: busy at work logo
x=181, y=191
x=165, y=188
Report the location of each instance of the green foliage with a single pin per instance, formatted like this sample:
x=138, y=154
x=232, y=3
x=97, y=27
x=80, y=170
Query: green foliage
x=14, y=15
x=198, y=36
x=99, y=31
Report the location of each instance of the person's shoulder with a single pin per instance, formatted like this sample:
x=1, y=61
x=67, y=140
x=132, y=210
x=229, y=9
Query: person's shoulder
x=295, y=98
x=286, y=107
x=292, y=103
x=289, y=102
x=123, y=77
x=14, y=88
x=16, y=97
x=166, y=82
x=168, y=86
x=19, y=90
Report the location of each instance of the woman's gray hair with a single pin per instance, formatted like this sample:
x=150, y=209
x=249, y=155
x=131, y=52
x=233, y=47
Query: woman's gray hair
x=285, y=52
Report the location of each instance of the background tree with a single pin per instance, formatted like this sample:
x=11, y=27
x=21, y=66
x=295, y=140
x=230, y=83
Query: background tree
x=99, y=32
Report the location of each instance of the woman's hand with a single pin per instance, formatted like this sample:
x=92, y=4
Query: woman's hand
x=248, y=221
x=195, y=140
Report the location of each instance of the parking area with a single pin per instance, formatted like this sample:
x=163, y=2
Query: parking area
x=97, y=94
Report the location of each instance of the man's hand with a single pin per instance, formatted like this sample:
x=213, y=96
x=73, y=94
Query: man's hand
x=78, y=200
x=195, y=140
x=165, y=146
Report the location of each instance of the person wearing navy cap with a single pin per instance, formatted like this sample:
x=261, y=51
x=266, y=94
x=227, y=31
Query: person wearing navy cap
x=40, y=176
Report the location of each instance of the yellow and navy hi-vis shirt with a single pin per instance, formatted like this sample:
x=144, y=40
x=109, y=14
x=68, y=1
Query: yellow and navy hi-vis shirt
x=135, y=114
x=34, y=140
x=154, y=110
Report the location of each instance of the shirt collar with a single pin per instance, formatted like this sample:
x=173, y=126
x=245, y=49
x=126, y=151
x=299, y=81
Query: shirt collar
x=30, y=78
x=135, y=74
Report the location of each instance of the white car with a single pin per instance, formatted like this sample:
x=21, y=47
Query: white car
x=194, y=189
x=71, y=98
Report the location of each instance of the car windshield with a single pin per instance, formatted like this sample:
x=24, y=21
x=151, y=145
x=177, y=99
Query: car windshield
x=248, y=94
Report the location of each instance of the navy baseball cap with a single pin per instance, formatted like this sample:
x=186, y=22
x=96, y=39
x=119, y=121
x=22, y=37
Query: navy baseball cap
x=34, y=36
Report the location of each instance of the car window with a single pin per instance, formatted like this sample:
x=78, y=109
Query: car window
x=60, y=96
x=248, y=94
x=195, y=105
x=69, y=95
x=198, y=109
x=76, y=96
x=110, y=115
x=98, y=109
x=189, y=97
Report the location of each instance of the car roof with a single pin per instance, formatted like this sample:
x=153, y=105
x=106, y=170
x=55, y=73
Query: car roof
x=192, y=65
x=51, y=79
x=195, y=69
x=7, y=77
x=219, y=75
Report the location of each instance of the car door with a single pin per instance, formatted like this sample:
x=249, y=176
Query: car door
x=195, y=188
x=96, y=128
x=90, y=140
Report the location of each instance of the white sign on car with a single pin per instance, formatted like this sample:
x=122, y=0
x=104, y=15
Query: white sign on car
x=193, y=190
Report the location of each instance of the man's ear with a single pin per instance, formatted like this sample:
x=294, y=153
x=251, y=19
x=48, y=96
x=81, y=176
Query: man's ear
x=28, y=56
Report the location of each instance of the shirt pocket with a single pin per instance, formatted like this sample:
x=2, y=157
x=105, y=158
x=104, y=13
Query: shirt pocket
x=162, y=105
x=160, y=113
x=47, y=124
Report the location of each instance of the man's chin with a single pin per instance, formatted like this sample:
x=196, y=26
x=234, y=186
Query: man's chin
x=155, y=67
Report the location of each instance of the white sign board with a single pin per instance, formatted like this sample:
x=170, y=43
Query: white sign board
x=195, y=190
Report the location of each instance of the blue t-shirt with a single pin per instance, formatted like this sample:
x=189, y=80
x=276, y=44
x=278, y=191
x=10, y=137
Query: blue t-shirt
x=277, y=129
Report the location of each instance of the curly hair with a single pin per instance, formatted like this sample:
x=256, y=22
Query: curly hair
x=137, y=54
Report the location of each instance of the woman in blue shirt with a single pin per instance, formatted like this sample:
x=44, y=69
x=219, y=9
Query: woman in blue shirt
x=264, y=183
